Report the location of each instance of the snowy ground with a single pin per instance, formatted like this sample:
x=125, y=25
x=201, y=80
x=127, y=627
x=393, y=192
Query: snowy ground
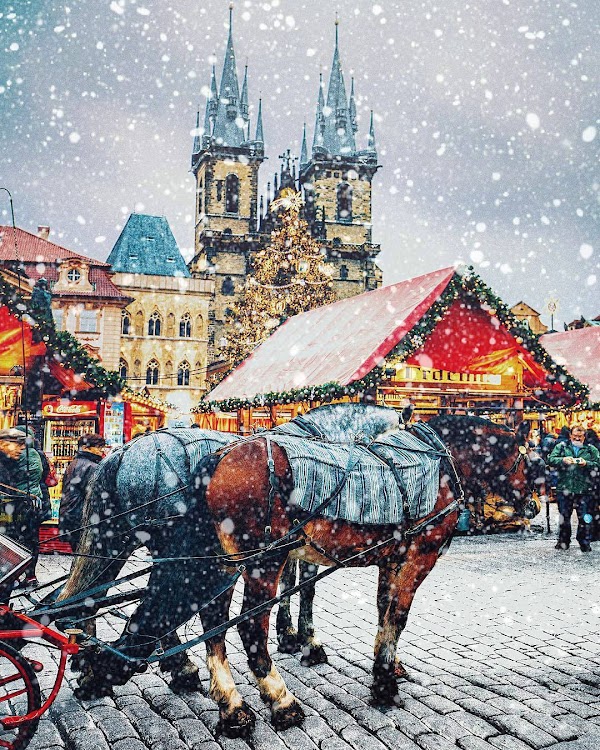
x=502, y=645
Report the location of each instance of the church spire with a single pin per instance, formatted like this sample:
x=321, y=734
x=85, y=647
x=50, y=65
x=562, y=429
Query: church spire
x=213, y=103
x=320, y=117
x=371, y=139
x=227, y=130
x=338, y=133
x=259, y=124
x=303, y=150
x=244, y=99
x=352, y=108
x=197, y=140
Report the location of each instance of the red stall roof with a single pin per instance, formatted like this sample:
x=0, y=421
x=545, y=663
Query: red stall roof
x=343, y=342
x=579, y=352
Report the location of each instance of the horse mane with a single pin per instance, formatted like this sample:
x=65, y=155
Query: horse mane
x=460, y=429
x=347, y=421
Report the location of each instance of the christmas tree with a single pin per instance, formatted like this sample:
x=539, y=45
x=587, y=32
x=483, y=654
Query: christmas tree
x=288, y=277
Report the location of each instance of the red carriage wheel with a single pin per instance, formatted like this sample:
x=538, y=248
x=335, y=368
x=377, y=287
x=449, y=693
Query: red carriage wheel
x=19, y=695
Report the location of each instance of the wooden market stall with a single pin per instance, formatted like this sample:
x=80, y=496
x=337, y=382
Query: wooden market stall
x=443, y=340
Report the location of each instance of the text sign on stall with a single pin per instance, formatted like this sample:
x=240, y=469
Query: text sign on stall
x=114, y=422
x=61, y=408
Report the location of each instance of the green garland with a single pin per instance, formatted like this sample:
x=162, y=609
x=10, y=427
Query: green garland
x=322, y=393
x=465, y=284
x=62, y=346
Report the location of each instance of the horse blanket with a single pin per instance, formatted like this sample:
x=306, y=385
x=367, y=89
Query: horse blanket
x=392, y=476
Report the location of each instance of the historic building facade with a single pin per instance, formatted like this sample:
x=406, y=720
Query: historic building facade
x=334, y=177
x=164, y=329
x=85, y=300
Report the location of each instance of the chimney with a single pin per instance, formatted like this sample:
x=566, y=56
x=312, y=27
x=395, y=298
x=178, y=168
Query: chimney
x=43, y=232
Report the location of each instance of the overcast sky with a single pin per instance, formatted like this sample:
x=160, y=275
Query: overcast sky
x=486, y=117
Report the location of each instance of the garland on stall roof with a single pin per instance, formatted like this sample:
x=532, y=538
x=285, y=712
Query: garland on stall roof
x=61, y=345
x=468, y=285
x=322, y=393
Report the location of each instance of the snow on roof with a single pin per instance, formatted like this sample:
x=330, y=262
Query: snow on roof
x=340, y=342
x=579, y=352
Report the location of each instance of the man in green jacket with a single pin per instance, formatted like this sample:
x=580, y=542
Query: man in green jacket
x=21, y=494
x=577, y=465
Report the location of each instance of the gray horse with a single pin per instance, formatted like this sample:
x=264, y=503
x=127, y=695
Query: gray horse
x=141, y=496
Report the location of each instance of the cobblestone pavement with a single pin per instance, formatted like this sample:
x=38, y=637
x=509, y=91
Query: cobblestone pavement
x=502, y=646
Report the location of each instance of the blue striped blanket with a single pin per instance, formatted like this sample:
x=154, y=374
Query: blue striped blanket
x=394, y=471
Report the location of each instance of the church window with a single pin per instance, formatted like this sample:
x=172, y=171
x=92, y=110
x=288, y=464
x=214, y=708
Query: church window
x=125, y=323
x=73, y=274
x=154, y=324
x=344, y=202
x=139, y=323
x=185, y=326
x=343, y=272
x=183, y=373
x=123, y=369
x=200, y=197
x=232, y=194
x=228, y=287
x=152, y=372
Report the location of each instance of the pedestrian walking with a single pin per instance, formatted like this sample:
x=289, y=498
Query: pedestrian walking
x=90, y=451
x=577, y=465
x=591, y=438
x=20, y=478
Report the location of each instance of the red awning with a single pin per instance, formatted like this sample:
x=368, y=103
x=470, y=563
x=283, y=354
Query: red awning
x=12, y=338
x=579, y=352
x=69, y=379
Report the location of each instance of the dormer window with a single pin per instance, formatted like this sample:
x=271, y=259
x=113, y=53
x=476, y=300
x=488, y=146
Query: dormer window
x=73, y=275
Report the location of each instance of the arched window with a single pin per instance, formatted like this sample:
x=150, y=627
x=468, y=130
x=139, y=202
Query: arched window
x=123, y=369
x=343, y=272
x=152, y=372
x=344, y=202
x=154, y=324
x=185, y=326
x=228, y=287
x=232, y=194
x=183, y=373
x=139, y=323
x=125, y=323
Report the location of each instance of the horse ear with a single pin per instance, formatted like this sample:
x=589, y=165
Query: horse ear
x=522, y=432
x=406, y=414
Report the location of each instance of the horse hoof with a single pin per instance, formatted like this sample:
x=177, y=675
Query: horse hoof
x=187, y=682
x=399, y=672
x=91, y=689
x=313, y=654
x=385, y=695
x=239, y=723
x=290, y=716
x=287, y=642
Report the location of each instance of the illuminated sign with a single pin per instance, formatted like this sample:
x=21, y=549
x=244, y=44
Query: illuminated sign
x=63, y=409
x=429, y=375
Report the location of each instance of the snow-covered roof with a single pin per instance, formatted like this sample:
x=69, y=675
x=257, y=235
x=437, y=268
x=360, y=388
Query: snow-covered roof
x=340, y=342
x=579, y=352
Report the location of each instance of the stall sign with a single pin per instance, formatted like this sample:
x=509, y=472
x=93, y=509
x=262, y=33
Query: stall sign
x=66, y=409
x=430, y=375
x=114, y=423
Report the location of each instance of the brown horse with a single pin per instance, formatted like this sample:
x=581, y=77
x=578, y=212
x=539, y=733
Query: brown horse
x=247, y=492
x=484, y=454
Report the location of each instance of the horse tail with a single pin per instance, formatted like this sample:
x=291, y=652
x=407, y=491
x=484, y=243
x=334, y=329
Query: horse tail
x=100, y=535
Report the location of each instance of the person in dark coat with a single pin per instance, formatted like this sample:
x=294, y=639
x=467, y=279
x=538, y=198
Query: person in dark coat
x=20, y=479
x=591, y=438
x=90, y=452
x=577, y=465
